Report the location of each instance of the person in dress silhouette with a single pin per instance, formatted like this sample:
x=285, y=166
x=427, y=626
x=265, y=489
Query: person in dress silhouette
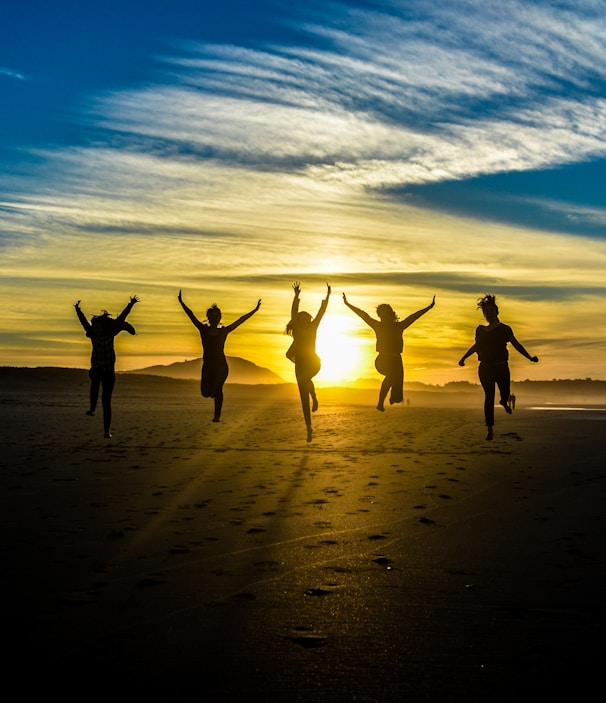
x=101, y=331
x=491, y=348
x=214, y=364
x=302, y=352
x=389, y=331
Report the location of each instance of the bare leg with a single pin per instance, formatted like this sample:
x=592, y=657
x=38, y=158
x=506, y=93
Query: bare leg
x=314, y=399
x=218, y=404
x=504, y=383
x=487, y=379
x=385, y=386
x=109, y=380
x=95, y=383
x=304, y=393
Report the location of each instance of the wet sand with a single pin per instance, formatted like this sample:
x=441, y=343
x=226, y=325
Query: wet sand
x=399, y=556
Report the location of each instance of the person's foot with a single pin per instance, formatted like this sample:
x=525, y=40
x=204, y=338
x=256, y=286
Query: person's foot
x=381, y=407
x=489, y=434
x=506, y=406
x=217, y=418
x=91, y=413
x=314, y=404
x=309, y=433
x=107, y=434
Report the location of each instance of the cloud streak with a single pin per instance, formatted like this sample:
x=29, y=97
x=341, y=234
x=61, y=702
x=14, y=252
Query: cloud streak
x=10, y=73
x=238, y=169
x=452, y=95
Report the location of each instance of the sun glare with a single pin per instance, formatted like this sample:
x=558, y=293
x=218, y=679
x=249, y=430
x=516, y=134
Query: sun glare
x=340, y=348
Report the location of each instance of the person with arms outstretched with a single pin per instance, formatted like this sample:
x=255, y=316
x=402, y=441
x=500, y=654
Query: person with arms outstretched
x=389, y=331
x=214, y=364
x=302, y=352
x=101, y=330
x=491, y=348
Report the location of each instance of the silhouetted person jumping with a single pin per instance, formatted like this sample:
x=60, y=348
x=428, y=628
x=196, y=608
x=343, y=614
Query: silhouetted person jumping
x=390, y=344
x=101, y=330
x=302, y=352
x=491, y=348
x=214, y=364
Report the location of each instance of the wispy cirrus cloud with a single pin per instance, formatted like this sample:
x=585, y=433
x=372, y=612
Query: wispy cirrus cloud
x=462, y=90
x=10, y=73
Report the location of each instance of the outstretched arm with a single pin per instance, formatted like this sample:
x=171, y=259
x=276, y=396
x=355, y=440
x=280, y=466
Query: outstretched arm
x=416, y=315
x=83, y=321
x=189, y=312
x=323, y=306
x=360, y=313
x=242, y=319
x=131, y=303
x=472, y=350
x=294, y=308
x=516, y=345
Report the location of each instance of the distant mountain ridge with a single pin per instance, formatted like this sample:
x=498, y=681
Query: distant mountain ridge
x=240, y=371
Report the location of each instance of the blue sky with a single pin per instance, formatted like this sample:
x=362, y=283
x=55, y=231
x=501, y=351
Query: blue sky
x=398, y=148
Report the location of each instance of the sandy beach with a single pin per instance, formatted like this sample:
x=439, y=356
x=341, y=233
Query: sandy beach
x=398, y=556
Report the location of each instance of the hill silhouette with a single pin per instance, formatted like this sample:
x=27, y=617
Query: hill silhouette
x=240, y=371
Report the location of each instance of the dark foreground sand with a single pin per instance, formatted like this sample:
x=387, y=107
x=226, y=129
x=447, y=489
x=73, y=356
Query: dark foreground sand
x=397, y=557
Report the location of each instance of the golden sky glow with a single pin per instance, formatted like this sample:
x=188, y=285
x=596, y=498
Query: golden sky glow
x=373, y=250
x=394, y=159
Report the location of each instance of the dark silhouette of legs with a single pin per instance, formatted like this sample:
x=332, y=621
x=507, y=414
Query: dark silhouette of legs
x=305, y=370
x=503, y=380
x=95, y=383
x=390, y=366
x=313, y=396
x=487, y=379
x=491, y=374
x=218, y=403
x=214, y=375
x=385, y=386
x=307, y=392
x=108, y=381
x=105, y=379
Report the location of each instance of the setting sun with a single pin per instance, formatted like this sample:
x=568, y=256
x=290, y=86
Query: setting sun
x=341, y=349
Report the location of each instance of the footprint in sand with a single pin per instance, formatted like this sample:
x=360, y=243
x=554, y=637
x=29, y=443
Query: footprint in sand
x=308, y=641
x=242, y=597
x=179, y=549
x=149, y=582
x=318, y=592
x=339, y=569
x=267, y=566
